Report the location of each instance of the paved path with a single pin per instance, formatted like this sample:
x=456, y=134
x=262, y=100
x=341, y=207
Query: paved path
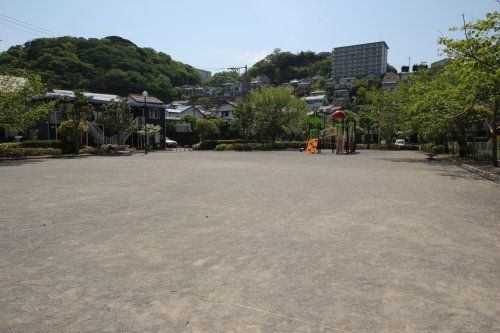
x=248, y=242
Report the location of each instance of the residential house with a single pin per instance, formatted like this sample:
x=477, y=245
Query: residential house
x=315, y=101
x=316, y=78
x=390, y=81
x=259, y=82
x=226, y=110
x=149, y=110
x=176, y=113
x=47, y=129
x=341, y=98
x=345, y=83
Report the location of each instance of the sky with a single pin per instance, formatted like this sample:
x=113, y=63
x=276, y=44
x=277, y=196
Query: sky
x=216, y=34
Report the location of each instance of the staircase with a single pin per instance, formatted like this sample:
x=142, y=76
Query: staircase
x=99, y=137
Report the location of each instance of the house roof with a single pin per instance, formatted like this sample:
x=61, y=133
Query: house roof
x=225, y=102
x=316, y=97
x=94, y=97
x=390, y=78
x=150, y=99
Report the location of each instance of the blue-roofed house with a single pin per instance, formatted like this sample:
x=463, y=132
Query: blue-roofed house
x=150, y=111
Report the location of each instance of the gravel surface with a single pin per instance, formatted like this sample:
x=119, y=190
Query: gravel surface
x=248, y=242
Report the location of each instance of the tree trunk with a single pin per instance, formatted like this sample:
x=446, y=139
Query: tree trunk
x=494, y=157
x=462, y=144
x=119, y=139
x=76, y=139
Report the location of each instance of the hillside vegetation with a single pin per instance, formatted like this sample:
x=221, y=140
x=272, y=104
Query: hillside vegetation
x=111, y=64
x=282, y=67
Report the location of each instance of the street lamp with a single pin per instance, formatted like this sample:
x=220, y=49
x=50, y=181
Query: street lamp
x=145, y=95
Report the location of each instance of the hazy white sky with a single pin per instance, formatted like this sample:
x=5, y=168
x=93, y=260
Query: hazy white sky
x=221, y=33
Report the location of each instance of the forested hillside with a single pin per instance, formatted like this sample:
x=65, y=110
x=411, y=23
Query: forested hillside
x=285, y=66
x=111, y=65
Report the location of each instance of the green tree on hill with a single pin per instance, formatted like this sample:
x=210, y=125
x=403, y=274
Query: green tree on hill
x=111, y=64
x=282, y=66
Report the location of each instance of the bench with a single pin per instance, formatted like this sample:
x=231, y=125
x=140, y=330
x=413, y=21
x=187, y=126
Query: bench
x=430, y=156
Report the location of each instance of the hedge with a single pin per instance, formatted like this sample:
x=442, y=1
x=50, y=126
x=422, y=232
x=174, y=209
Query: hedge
x=6, y=151
x=386, y=147
x=260, y=146
x=432, y=148
x=65, y=147
x=248, y=145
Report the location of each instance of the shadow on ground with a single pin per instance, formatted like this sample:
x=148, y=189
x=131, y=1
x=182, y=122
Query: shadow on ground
x=458, y=173
x=5, y=163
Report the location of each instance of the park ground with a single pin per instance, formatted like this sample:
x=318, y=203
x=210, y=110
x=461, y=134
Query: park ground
x=248, y=242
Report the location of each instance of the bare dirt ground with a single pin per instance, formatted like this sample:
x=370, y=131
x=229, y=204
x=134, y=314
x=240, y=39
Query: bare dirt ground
x=248, y=242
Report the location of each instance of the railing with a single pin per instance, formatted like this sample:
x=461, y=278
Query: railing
x=480, y=150
x=100, y=138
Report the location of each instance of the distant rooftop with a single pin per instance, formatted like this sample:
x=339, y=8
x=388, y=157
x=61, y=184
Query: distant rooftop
x=340, y=47
x=150, y=99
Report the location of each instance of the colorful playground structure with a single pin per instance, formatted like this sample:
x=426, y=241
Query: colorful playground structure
x=338, y=129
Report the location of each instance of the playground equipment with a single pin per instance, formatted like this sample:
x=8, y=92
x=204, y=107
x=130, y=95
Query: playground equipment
x=314, y=123
x=339, y=130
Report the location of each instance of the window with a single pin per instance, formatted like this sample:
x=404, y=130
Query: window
x=154, y=113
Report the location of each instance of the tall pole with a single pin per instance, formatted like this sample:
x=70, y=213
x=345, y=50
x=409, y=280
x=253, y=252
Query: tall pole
x=145, y=95
x=145, y=133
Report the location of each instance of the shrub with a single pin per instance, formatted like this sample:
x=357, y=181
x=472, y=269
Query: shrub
x=432, y=148
x=211, y=144
x=409, y=147
x=9, y=151
x=223, y=146
x=88, y=150
x=65, y=147
x=389, y=146
x=105, y=149
x=241, y=145
x=207, y=145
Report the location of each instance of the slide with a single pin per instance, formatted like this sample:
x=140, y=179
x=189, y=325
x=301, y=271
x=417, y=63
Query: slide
x=312, y=146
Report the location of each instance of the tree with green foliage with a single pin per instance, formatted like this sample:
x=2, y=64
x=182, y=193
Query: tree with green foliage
x=19, y=108
x=111, y=64
x=191, y=120
x=147, y=132
x=384, y=111
x=282, y=66
x=391, y=69
x=206, y=128
x=447, y=103
x=277, y=112
x=218, y=79
x=75, y=114
x=244, y=119
x=479, y=52
x=116, y=118
x=226, y=130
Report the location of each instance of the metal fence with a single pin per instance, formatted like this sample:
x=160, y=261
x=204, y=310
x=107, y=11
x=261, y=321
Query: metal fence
x=477, y=150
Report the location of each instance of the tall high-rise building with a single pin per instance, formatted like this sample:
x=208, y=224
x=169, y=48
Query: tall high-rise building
x=204, y=74
x=359, y=60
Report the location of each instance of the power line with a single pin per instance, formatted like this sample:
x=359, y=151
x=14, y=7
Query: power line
x=27, y=27
x=28, y=32
x=35, y=26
